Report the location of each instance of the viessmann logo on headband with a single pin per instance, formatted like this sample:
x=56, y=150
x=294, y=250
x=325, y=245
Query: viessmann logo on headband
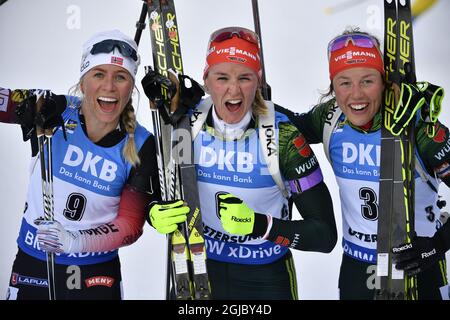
x=350, y=55
x=233, y=51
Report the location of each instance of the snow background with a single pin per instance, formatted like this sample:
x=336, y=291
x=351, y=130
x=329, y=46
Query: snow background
x=41, y=48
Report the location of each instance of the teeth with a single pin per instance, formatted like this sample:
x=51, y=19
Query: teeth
x=106, y=99
x=234, y=101
x=358, y=106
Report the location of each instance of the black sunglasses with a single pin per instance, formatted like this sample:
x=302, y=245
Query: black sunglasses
x=107, y=46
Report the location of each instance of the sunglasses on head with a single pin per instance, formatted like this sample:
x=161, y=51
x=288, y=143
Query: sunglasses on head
x=107, y=46
x=229, y=32
x=360, y=40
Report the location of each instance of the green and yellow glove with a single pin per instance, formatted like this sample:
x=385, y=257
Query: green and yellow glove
x=166, y=215
x=238, y=218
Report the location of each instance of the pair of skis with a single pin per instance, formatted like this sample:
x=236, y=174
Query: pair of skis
x=397, y=198
x=187, y=277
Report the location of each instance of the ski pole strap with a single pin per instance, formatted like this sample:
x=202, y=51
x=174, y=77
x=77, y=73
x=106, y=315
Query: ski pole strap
x=171, y=119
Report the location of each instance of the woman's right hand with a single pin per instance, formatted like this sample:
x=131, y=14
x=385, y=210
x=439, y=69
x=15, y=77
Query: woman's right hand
x=43, y=110
x=166, y=215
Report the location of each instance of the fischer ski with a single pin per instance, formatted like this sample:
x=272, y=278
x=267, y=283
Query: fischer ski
x=397, y=198
x=186, y=270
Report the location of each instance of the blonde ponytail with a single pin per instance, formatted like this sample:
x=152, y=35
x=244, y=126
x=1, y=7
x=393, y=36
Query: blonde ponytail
x=128, y=119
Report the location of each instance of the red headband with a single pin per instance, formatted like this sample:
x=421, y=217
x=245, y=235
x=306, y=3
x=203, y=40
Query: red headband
x=234, y=50
x=352, y=56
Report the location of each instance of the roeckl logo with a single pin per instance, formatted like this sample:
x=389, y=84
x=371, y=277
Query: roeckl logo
x=428, y=254
x=402, y=248
x=234, y=218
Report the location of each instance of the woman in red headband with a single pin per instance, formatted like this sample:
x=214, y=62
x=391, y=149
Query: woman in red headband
x=349, y=126
x=250, y=161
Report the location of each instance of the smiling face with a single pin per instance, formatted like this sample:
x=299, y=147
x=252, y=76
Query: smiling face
x=359, y=94
x=107, y=89
x=232, y=88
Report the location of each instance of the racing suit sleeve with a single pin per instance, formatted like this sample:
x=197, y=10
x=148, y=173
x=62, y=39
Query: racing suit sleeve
x=142, y=188
x=299, y=166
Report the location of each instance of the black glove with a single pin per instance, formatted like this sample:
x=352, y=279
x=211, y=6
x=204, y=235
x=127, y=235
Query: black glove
x=191, y=92
x=411, y=99
x=154, y=83
x=25, y=115
x=418, y=255
x=48, y=116
x=431, y=110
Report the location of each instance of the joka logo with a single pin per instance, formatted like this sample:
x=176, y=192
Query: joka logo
x=303, y=148
x=269, y=132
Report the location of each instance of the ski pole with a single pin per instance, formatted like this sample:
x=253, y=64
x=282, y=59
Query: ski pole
x=140, y=24
x=45, y=147
x=265, y=88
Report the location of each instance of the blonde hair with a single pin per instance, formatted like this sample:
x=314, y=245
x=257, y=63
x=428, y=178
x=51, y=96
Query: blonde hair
x=258, y=106
x=128, y=121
